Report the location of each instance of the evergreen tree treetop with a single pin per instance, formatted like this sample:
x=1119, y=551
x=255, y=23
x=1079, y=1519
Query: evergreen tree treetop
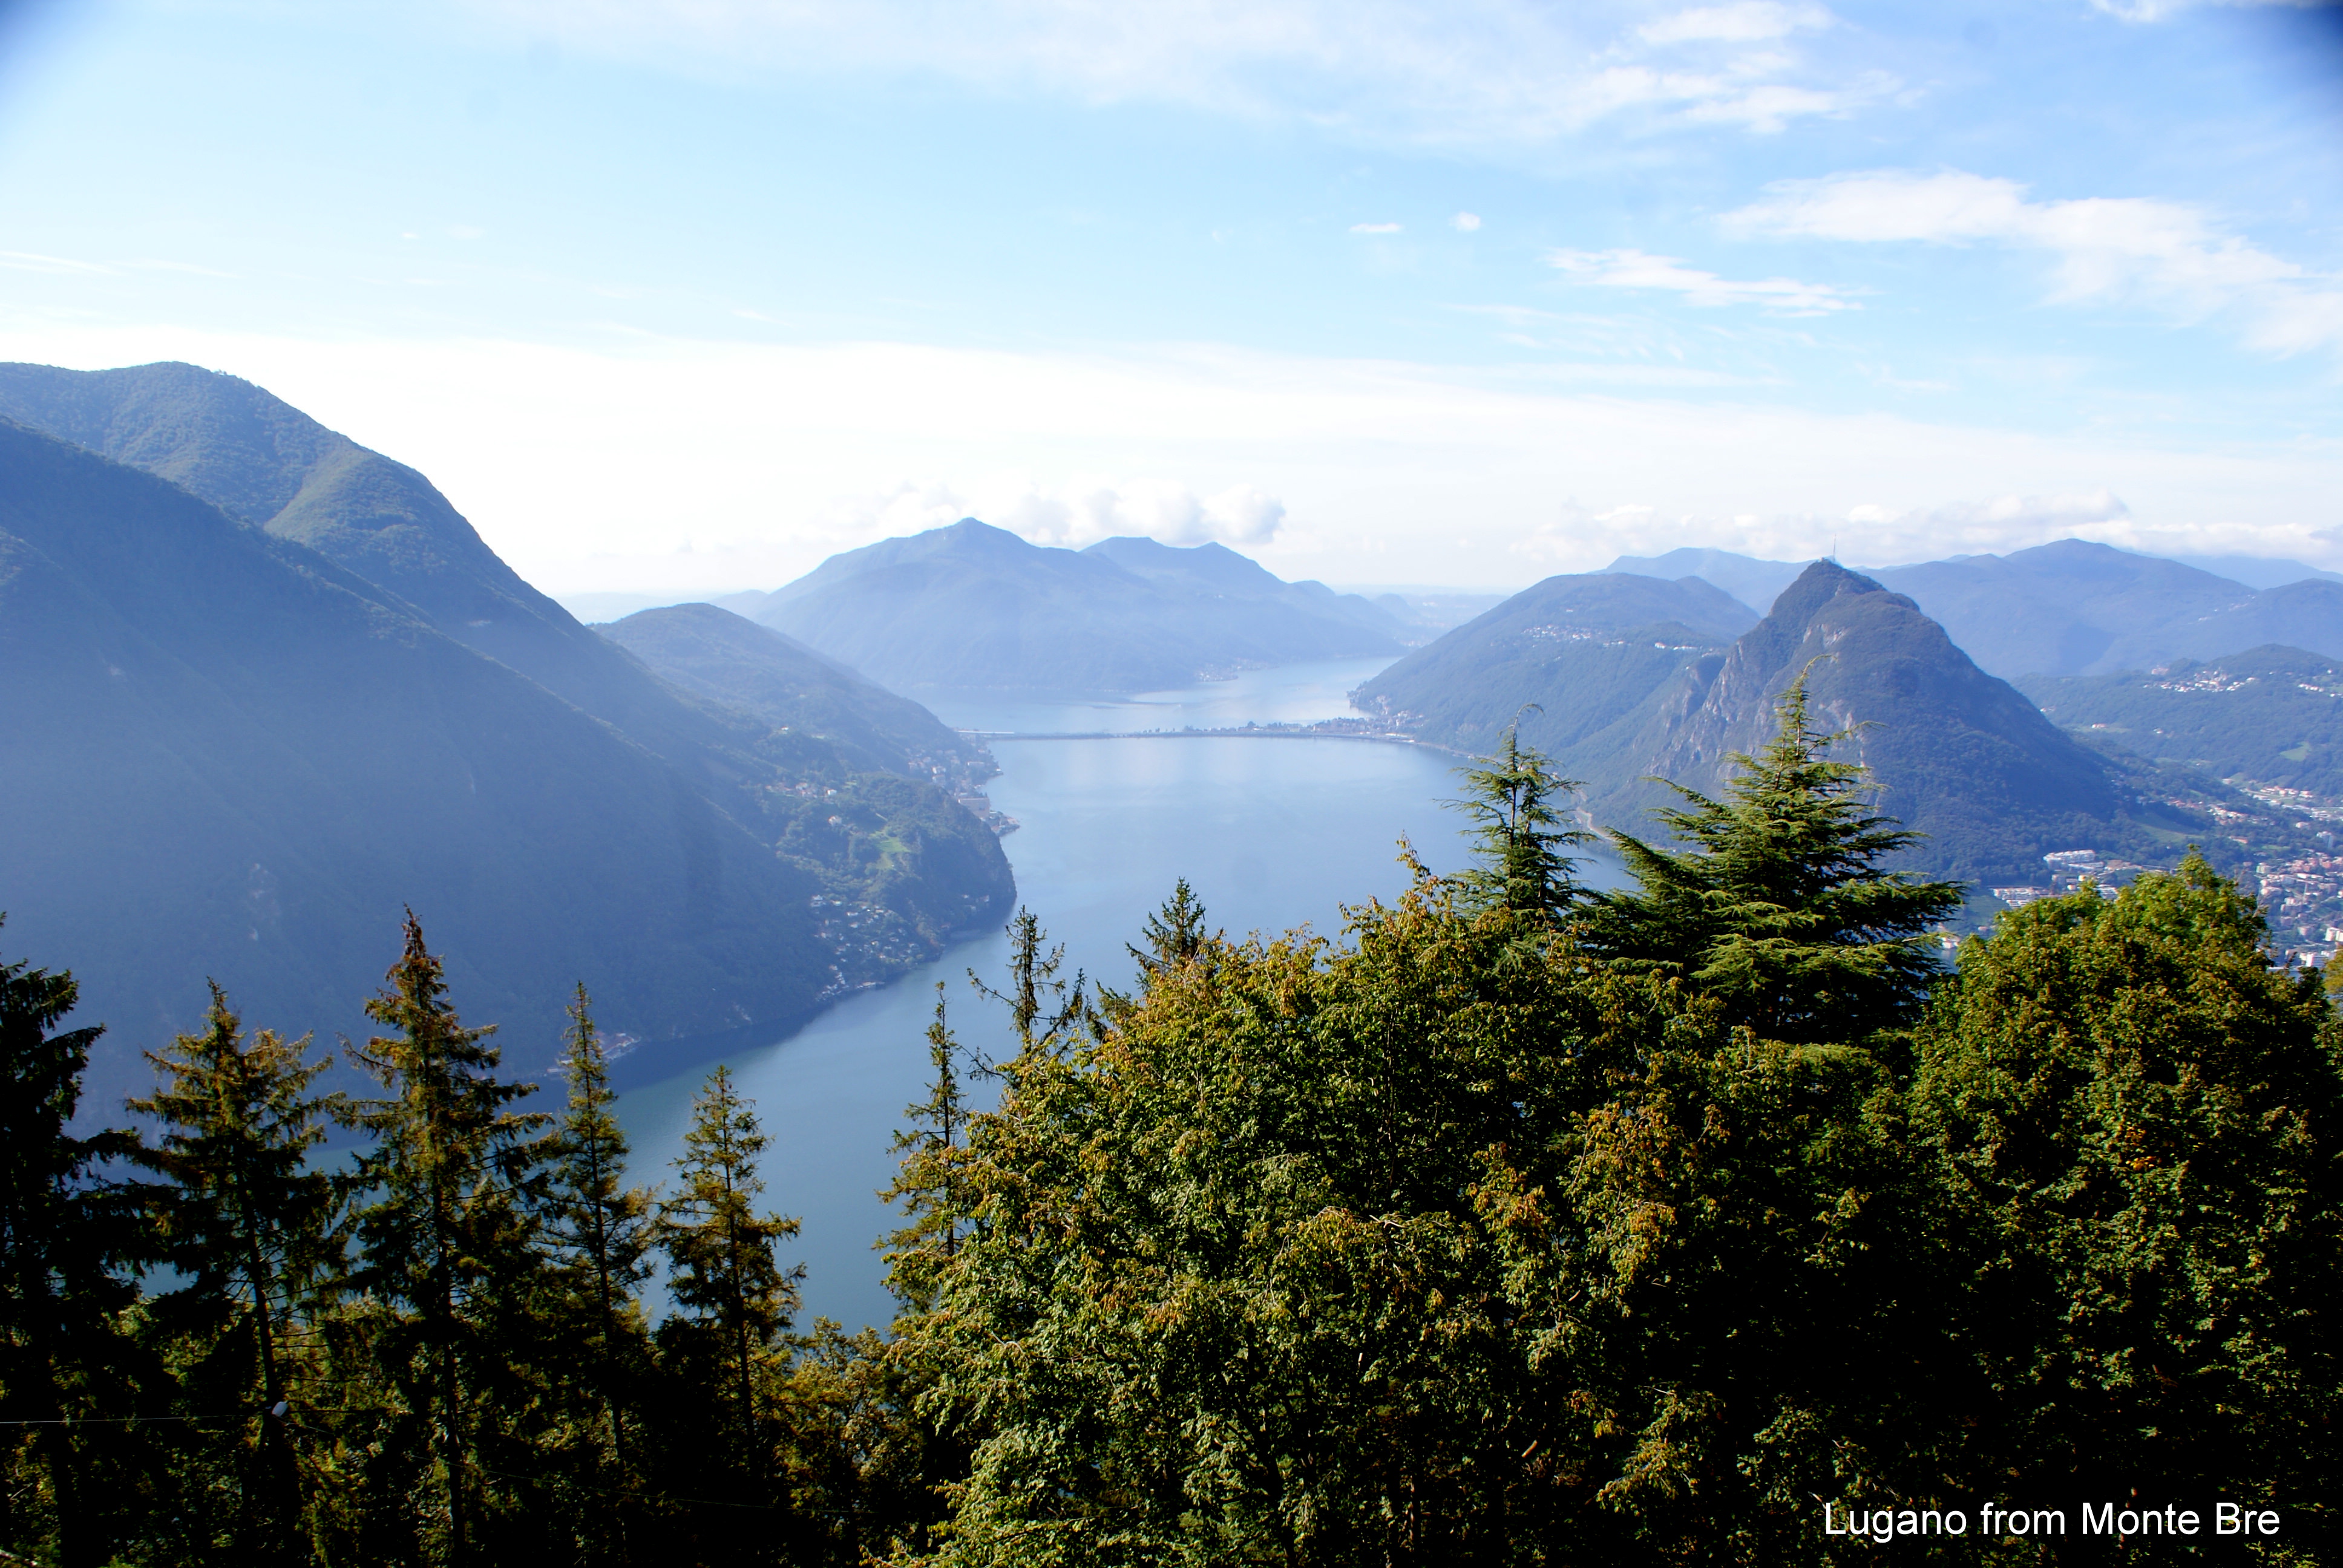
x=1781, y=904
x=1520, y=837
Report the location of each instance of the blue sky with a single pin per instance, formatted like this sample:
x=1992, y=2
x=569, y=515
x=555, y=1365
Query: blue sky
x=687, y=297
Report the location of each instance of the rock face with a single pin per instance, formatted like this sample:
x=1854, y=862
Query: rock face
x=975, y=607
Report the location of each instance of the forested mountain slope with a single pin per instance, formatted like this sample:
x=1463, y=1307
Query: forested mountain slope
x=976, y=607
x=2271, y=715
x=232, y=759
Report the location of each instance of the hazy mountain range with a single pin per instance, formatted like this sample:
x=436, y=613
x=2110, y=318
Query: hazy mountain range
x=2071, y=608
x=267, y=687
x=973, y=607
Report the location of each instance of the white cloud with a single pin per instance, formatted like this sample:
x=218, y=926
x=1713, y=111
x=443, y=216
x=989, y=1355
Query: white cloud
x=1375, y=229
x=1637, y=269
x=1507, y=73
x=1465, y=222
x=2165, y=253
x=1749, y=22
x=586, y=466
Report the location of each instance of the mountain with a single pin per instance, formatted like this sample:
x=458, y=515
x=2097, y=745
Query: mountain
x=2272, y=716
x=972, y=606
x=232, y=759
x=2257, y=571
x=2068, y=607
x=264, y=462
x=2073, y=608
x=731, y=660
x=857, y=819
x=1592, y=649
x=1956, y=754
x=1752, y=581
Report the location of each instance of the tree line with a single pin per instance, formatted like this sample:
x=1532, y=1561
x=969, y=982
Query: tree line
x=1523, y=1223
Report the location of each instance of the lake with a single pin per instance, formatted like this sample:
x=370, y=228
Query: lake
x=1272, y=833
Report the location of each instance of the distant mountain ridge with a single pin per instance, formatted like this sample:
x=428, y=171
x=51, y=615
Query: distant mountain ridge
x=2073, y=608
x=975, y=607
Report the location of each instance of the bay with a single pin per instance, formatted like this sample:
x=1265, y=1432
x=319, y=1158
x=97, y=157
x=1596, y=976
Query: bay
x=1272, y=832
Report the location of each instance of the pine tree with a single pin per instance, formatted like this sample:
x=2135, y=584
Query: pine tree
x=1174, y=933
x=723, y=1272
x=66, y=1237
x=599, y=1228
x=1524, y=864
x=1781, y=906
x=244, y=1221
x=444, y=1227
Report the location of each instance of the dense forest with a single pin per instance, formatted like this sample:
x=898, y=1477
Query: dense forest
x=1520, y=1224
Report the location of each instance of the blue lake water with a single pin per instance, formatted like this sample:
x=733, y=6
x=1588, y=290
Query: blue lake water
x=1272, y=833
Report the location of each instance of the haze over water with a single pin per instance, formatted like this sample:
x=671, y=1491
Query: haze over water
x=1272, y=833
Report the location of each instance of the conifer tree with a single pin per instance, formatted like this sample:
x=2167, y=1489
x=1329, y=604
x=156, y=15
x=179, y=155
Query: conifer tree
x=244, y=1221
x=723, y=1272
x=1522, y=843
x=924, y=1181
x=445, y=1221
x=598, y=1228
x=1174, y=933
x=1780, y=905
x=65, y=1236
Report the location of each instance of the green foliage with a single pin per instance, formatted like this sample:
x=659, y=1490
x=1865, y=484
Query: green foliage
x=1781, y=906
x=724, y=1273
x=2140, y=1122
x=248, y=1226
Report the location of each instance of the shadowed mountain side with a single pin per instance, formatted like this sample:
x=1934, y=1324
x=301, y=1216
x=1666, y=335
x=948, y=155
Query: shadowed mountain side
x=2270, y=715
x=1592, y=649
x=972, y=606
x=719, y=656
x=1957, y=754
x=238, y=760
x=263, y=461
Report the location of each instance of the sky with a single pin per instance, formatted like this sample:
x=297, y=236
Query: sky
x=684, y=296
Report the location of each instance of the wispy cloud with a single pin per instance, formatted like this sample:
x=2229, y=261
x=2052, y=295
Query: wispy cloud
x=31, y=261
x=1375, y=229
x=2171, y=255
x=1639, y=269
x=1466, y=72
x=2157, y=10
